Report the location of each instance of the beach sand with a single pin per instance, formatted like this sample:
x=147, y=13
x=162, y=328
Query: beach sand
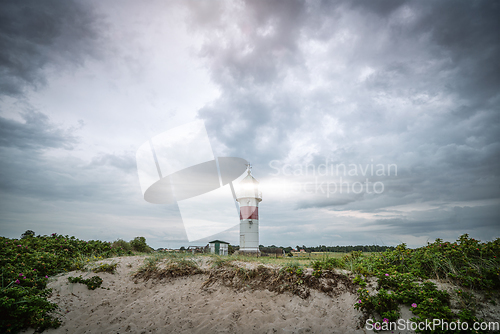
x=181, y=305
x=184, y=305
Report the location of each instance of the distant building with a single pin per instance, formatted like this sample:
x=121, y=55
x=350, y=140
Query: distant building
x=195, y=249
x=164, y=250
x=219, y=247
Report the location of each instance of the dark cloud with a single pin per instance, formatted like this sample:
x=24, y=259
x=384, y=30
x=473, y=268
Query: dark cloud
x=417, y=55
x=36, y=133
x=256, y=45
x=466, y=33
x=414, y=84
x=379, y=7
x=37, y=34
x=410, y=83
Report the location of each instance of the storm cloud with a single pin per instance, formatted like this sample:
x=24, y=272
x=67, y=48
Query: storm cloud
x=38, y=35
x=279, y=83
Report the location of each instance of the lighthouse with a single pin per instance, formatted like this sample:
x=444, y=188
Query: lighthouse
x=249, y=197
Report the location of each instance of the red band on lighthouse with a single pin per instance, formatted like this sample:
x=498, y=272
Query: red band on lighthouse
x=249, y=212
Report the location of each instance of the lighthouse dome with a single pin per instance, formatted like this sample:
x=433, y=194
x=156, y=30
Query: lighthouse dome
x=249, y=187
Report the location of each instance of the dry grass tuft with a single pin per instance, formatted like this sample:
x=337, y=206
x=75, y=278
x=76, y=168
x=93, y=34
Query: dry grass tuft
x=173, y=268
x=280, y=281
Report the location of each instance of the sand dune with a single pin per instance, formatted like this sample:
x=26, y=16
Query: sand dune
x=181, y=305
x=212, y=302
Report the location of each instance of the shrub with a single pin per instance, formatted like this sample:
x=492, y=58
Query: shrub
x=328, y=264
x=231, y=249
x=27, y=233
x=106, y=267
x=92, y=283
x=222, y=262
x=293, y=268
x=359, y=281
x=466, y=262
x=122, y=244
x=25, y=266
x=26, y=307
x=175, y=267
x=139, y=245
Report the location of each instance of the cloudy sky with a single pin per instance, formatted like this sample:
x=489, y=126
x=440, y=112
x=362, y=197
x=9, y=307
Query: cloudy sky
x=324, y=98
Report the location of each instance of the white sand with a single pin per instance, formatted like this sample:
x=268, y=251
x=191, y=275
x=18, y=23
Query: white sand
x=180, y=305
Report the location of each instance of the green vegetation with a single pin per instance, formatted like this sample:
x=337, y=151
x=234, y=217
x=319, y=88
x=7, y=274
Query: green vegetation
x=106, y=268
x=92, y=283
x=123, y=245
x=221, y=262
x=403, y=273
x=359, y=281
x=162, y=265
x=26, y=265
x=326, y=249
x=139, y=245
x=466, y=262
x=27, y=234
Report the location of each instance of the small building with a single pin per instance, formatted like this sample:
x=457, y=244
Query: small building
x=219, y=247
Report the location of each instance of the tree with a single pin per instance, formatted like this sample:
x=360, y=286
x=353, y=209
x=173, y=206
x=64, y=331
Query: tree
x=27, y=233
x=139, y=245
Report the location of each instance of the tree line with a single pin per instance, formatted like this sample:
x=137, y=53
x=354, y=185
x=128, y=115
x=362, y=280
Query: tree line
x=323, y=248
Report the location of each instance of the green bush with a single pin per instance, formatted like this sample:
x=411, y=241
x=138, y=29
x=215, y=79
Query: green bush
x=139, y=245
x=359, y=281
x=293, y=268
x=122, y=244
x=328, y=264
x=425, y=301
x=106, y=267
x=25, y=266
x=26, y=307
x=27, y=234
x=92, y=283
x=466, y=262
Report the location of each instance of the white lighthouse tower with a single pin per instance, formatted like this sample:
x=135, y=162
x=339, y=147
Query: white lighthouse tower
x=249, y=197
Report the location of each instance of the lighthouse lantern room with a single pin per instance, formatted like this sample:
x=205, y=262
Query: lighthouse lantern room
x=249, y=197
